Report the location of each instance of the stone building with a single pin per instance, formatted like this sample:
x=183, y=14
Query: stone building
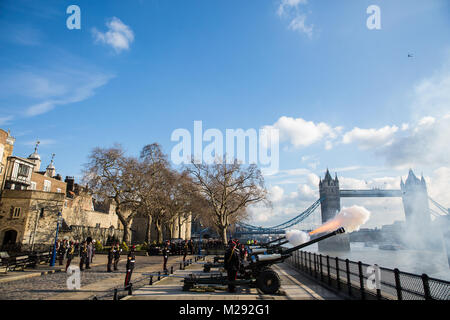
x=330, y=206
x=415, y=202
x=31, y=200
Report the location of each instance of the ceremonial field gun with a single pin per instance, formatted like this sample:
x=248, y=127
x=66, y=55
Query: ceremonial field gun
x=264, y=248
x=257, y=271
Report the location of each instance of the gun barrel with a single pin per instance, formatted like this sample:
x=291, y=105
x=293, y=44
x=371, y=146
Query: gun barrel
x=279, y=244
x=328, y=235
x=267, y=243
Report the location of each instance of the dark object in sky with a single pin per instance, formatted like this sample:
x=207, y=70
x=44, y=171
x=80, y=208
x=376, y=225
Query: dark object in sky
x=410, y=55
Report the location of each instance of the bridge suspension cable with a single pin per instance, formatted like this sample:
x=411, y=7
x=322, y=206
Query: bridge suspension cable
x=280, y=227
x=444, y=210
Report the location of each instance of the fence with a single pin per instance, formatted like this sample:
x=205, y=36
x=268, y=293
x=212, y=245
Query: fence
x=352, y=278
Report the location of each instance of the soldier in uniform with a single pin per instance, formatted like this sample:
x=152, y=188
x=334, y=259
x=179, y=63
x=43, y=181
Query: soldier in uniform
x=243, y=253
x=117, y=251
x=90, y=251
x=165, y=253
x=110, y=258
x=70, y=254
x=61, y=252
x=232, y=264
x=83, y=255
x=131, y=260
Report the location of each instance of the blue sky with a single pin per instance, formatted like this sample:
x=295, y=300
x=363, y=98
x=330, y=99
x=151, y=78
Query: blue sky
x=367, y=110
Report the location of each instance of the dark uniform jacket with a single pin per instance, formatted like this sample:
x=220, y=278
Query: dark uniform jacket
x=70, y=252
x=131, y=260
x=232, y=261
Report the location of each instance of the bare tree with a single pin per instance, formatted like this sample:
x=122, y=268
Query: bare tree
x=229, y=189
x=109, y=174
x=156, y=162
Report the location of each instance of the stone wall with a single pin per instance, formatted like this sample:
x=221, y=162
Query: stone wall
x=38, y=215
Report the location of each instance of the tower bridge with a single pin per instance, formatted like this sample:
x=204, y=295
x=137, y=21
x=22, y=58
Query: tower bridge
x=414, y=196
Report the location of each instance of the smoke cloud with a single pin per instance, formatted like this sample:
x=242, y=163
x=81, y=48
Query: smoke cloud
x=350, y=218
x=353, y=217
x=297, y=237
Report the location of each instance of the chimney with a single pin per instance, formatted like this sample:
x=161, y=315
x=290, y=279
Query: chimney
x=70, y=183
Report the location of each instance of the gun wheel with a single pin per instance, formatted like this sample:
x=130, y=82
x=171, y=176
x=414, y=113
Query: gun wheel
x=268, y=281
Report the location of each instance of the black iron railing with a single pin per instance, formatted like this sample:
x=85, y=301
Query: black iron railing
x=352, y=279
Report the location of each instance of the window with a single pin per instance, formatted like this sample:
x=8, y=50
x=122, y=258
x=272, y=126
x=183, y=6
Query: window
x=47, y=185
x=97, y=225
x=33, y=186
x=23, y=170
x=16, y=213
x=41, y=214
x=58, y=190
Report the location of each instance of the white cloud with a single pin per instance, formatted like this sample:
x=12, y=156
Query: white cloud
x=370, y=138
x=299, y=24
x=438, y=185
x=426, y=144
x=302, y=133
x=75, y=86
x=42, y=142
x=313, y=179
x=290, y=9
x=38, y=90
x=426, y=121
x=287, y=5
x=5, y=120
x=433, y=93
x=276, y=193
x=119, y=36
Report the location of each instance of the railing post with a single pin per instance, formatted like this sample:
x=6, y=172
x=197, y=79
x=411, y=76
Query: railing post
x=115, y=294
x=349, y=285
x=337, y=274
x=171, y=270
x=151, y=281
x=159, y=275
x=321, y=267
x=398, y=285
x=328, y=270
x=361, y=281
x=302, y=266
x=302, y=260
x=426, y=287
x=310, y=262
x=130, y=289
x=315, y=265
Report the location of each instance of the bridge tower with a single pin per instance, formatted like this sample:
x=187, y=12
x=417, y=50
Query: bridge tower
x=415, y=204
x=330, y=206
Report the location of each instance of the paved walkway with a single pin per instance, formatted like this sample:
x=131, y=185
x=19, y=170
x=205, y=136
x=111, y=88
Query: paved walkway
x=43, y=269
x=46, y=283
x=293, y=287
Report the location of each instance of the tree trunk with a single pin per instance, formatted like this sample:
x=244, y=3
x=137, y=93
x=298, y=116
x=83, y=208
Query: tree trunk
x=171, y=235
x=126, y=226
x=179, y=228
x=223, y=231
x=148, y=236
x=159, y=231
x=126, y=233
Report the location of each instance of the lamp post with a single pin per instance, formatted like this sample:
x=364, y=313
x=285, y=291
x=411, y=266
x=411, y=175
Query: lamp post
x=52, y=262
